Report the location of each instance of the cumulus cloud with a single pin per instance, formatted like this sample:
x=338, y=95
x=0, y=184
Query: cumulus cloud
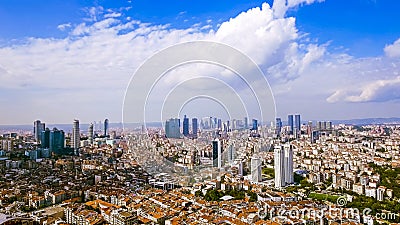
x=393, y=50
x=101, y=53
x=375, y=91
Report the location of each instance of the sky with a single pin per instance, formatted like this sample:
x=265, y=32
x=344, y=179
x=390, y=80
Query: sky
x=323, y=59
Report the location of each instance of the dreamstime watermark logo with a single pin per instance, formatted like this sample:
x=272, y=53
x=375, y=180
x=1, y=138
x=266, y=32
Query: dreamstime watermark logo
x=341, y=201
x=177, y=78
x=317, y=213
x=338, y=212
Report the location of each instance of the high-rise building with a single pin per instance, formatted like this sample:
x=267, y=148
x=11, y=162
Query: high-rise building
x=38, y=127
x=290, y=124
x=90, y=133
x=76, y=137
x=194, y=127
x=256, y=169
x=328, y=125
x=231, y=153
x=289, y=179
x=172, y=128
x=309, y=127
x=185, y=126
x=106, y=127
x=255, y=125
x=217, y=153
x=246, y=123
x=297, y=124
x=283, y=162
x=219, y=124
x=57, y=140
x=45, y=142
x=279, y=166
x=278, y=126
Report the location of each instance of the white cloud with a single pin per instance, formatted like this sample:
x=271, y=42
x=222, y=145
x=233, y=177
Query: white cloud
x=393, y=50
x=375, y=91
x=64, y=26
x=97, y=58
x=112, y=15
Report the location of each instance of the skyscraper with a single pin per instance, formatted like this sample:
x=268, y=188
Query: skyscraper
x=288, y=164
x=246, y=123
x=172, y=128
x=90, y=133
x=231, y=153
x=255, y=125
x=105, y=127
x=290, y=124
x=38, y=127
x=279, y=166
x=283, y=165
x=185, y=126
x=256, y=169
x=76, y=137
x=297, y=124
x=278, y=126
x=45, y=142
x=217, y=153
x=194, y=127
x=57, y=139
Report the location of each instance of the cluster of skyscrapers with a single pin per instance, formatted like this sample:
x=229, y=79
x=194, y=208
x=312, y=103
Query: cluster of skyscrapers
x=293, y=123
x=173, y=126
x=54, y=139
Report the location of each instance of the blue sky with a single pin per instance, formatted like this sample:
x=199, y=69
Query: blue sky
x=338, y=56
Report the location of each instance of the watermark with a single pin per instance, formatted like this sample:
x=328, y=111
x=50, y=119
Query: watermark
x=341, y=201
x=330, y=212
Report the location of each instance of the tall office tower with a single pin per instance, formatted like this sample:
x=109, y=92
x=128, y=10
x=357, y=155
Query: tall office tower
x=194, y=127
x=255, y=125
x=38, y=127
x=106, y=127
x=217, y=153
x=246, y=123
x=76, y=137
x=90, y=133
x=234, y=124
x=319, y=125
x=290, y=124
x=240, y=168
x=57, y=140
x=256, y=169
x=172, y=128
x=323, y=125
x=288, y=164
x=231, y=153
x=309, y=127
x=278, y=126
x=328, y=125
x=279, y=166
x=219, y=124
x=45, y=138
x=185, y=126
x=228, y=126
x=297, y=124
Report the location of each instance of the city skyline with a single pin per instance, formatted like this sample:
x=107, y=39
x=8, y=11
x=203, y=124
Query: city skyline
x=344, y=65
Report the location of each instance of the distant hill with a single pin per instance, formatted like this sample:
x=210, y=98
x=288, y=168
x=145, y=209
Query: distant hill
x=368, y=121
